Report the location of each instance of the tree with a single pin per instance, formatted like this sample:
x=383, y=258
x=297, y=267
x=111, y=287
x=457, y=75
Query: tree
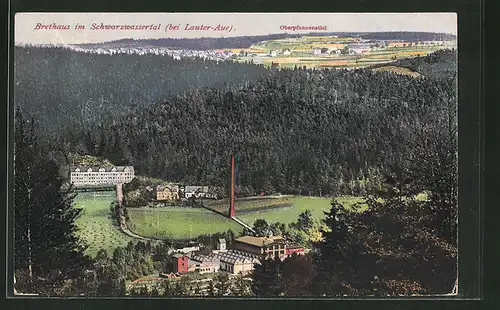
x=261, y=227
x=144, y=291
x=211, y=288
x=266, y=278
x=389, y=249
x=333, y=252
x=167, y=288
x=46, y=246
x=197, y=288
x=222, y=283
x=155, y=292
x=241, y=286
x=297, y=275
x=305, y=221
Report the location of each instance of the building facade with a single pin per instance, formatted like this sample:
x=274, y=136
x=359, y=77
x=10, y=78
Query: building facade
x=261, y=246
x=168, y=192
x=181, y=263
x=109, y=175
x=236, y=263
x=294, y=250
x=203, y=263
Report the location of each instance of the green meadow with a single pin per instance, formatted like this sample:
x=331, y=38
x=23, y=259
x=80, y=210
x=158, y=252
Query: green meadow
x=187, y=223
x=95, y=224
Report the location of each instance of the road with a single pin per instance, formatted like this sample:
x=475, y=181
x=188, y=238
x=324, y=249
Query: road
x=123, y=223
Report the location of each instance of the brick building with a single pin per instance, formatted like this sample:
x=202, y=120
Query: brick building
x=181, y=263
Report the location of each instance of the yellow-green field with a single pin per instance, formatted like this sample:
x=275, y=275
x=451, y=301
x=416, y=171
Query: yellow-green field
x=178, y=222
x=186, y=223
x=302, y=52
x=317, y=206
x=398, y=70
x=95, y=224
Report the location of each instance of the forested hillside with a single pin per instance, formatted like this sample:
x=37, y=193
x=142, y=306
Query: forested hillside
x=63, y=87
x=194, y=43
x=247, y=41
x=298, y=131
x=440, y=64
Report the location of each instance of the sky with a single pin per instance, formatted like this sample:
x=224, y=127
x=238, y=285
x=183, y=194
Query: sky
x=238, y=24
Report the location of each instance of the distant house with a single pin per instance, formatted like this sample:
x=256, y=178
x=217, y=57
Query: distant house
x=316, y=51
x=257, y=61
x=196, y=191
x=274, y=64
x=273, y=53
x=359, y=48
x=104, y=175
x=287, y=52
x=167, y=192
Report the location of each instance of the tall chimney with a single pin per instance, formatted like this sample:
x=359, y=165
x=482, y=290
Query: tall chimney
x=231, y=209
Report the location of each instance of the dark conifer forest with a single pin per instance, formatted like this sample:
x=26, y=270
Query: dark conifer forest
x=64, y=88
x=384, y=136
x=296, y=131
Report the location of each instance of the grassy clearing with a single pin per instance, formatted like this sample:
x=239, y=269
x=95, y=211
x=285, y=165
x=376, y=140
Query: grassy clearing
x=95, y=224
x=398, y=70
x=317, y=206
x=246, y=205
x=178, y=223
x=186, y=223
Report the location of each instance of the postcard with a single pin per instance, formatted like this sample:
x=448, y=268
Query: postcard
x=235, y=155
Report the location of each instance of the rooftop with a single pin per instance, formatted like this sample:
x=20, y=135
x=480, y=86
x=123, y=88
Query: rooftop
x=259, y=241
x=191, y=189
x=235, y=257
x=104, y=168
x=177, y=255
x=171, y=187
x=203, y=258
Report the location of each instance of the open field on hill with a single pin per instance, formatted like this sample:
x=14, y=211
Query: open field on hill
x=399, y=70
x=178, y=222
x=317, y=205
x=252, y=204
x=95, y=224
x=302, y=55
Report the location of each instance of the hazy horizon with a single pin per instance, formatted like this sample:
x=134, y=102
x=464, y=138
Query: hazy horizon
x=242, y=24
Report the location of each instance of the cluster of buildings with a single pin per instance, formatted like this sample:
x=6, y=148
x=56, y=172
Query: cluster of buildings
x=281, y=52
x=172, y=192
x=112, y=175
x=246, y=251
x=101, y=175
x=151, y=50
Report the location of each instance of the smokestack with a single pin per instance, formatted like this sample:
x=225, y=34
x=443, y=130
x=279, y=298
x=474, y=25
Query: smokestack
x=231, y=209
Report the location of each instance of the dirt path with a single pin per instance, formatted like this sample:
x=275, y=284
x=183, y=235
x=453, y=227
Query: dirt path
x=123, y=223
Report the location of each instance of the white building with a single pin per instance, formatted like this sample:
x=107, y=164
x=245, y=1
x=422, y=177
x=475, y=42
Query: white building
x=196, y=191
x=287, y=52
x=316, y=51
x=80, y=175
